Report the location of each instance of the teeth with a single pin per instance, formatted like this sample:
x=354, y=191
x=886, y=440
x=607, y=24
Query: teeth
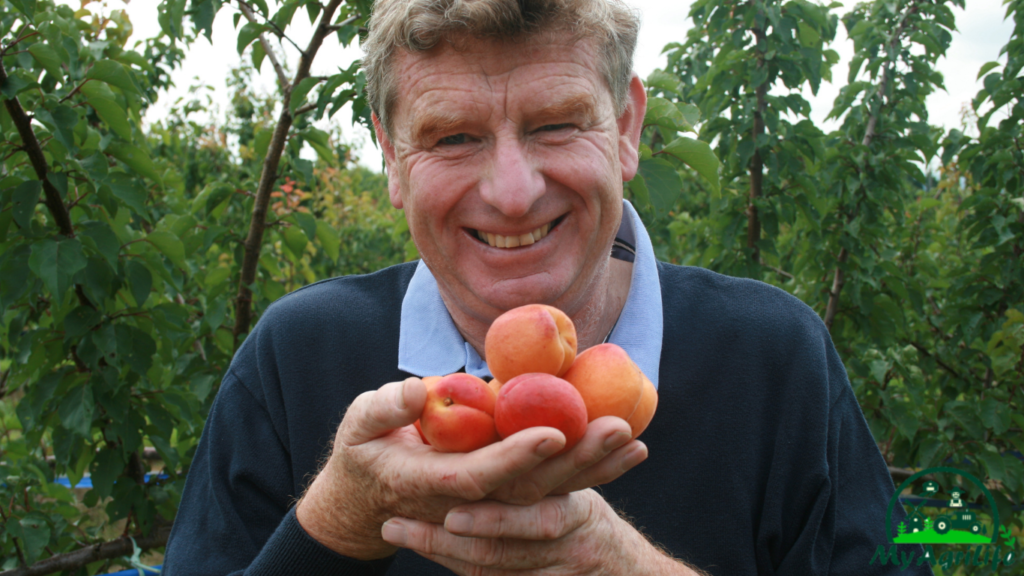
x=499, y=241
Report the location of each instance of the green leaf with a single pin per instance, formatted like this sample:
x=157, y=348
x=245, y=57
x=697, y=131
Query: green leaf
x=298, y=97
x=100, y=279
x=114, y=73
x=17, y=82
x=261, y=142
x=124, y=187
x=26, y=7
x=106, y=467
x=258, y=54
x=662, y=182
x=55, y=262
x=25, y=197
x=661, y=112
x=170, y=245
x=80, y=320
x=47, y=58
x=995, y=416
x=136, y=159
x=112, y=115
x=995, y=465
x=203, y=13
x=306, y=222
x=318, y=139
x=296, y=240
x=698, y=155
x=985, y=69
x=665, y=82
x=140, y=280
x=104, y=238
x=248, y=33
x=216, y=276
x=76, y=409
x=328, y=239
x=32, y=529
x=58, y=180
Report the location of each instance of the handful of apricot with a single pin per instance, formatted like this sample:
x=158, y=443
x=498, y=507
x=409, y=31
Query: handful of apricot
x=539, y=381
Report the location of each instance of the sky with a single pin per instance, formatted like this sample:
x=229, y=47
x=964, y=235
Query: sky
x=982, y=31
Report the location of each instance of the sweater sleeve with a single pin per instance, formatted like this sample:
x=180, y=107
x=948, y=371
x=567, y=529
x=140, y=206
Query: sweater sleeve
x=236, y=514
x=843, y=522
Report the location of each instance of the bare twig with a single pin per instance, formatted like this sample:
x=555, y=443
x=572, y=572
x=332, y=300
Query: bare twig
x=282, y=78
x=15, y=43
x=94, y=553
x=305, y=108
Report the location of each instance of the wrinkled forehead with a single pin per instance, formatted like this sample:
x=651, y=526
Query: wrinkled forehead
x=548, y=70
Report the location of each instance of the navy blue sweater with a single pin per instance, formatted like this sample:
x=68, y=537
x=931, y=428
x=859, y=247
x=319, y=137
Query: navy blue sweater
x=760, y=459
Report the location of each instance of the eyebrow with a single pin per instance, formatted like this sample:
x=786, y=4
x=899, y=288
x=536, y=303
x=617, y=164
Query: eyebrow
x=576, y=106
x=430, y=125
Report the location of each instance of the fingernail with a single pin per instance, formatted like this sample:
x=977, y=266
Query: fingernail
x=394, y=532
x=458, y=523
x=547, y=448
x=614, y=440
x=401, y=396
x=635, y=456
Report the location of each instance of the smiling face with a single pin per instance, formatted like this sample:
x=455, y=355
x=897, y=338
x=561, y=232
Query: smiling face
x=509, y=159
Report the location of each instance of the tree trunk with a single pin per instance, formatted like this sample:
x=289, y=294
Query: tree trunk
x=254, y=239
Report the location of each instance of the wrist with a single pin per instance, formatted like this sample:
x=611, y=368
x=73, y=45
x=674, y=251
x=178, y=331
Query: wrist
x=643, y=556
x=346, y=525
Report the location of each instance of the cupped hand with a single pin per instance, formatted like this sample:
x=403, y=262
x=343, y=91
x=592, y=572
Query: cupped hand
x=577, y=533
x=379, y=468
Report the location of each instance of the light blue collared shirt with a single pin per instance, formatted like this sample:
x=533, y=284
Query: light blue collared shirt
x=429, y=344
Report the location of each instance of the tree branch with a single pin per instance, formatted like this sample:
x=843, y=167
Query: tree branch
x=105, y=551
x=254, y=239
x=34, y=151
x=282, y=78
x=277, y=29
x=941, y=364
x=35, y=156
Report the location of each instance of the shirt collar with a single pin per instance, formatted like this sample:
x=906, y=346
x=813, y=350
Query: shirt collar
x=429, y=344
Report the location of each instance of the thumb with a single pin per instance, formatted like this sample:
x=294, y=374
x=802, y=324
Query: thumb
x=377, y=412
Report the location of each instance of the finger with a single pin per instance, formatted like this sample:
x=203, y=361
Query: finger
x=377, y=412
x=474, y=475
x=609, y=468
x=433, y=541
x=549, y=519
x=603, y=436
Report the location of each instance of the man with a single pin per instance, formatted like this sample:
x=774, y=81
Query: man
x=508, y=129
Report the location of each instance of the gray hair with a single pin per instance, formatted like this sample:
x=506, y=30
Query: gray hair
x=419, y=25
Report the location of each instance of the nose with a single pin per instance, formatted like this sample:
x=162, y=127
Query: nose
x=512, y=182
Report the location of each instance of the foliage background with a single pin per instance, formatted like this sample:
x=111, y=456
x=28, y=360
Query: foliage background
x=122, y=245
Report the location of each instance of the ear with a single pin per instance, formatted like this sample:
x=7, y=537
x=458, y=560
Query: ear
x=388, y=148
x=631, y=124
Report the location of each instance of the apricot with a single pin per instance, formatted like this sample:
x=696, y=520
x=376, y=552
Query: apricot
x=495, y=385
x=644, y=412
x=539, y=399
x=530, y=339
x=608, y=380
x=459, y=414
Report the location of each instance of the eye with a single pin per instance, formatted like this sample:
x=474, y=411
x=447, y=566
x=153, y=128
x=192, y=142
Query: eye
x=554, y=127
x=454, y=140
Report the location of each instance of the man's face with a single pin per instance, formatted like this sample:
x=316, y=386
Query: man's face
x=501, y=144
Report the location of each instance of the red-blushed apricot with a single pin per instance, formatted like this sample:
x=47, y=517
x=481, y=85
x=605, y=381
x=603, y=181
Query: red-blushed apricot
x=428, y=383
x=644, y=412
x=539, y=399
x=528, y=339
x=608, y=380
x=459, y=414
